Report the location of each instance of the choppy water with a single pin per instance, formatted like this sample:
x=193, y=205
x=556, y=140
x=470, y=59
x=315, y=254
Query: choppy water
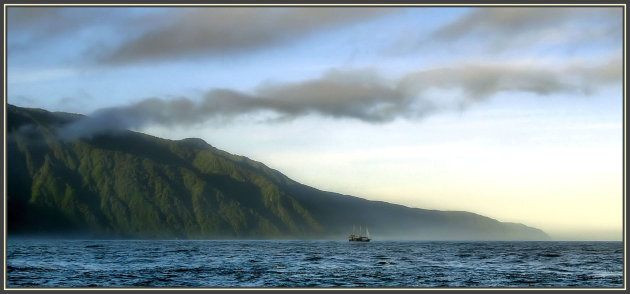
x=72, y=263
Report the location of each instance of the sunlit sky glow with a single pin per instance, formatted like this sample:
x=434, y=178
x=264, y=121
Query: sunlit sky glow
x=512, y=113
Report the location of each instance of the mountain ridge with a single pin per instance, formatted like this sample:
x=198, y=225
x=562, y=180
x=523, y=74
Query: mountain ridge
x=126, y=184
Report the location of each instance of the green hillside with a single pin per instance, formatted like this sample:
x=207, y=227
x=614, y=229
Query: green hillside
x=131, y=185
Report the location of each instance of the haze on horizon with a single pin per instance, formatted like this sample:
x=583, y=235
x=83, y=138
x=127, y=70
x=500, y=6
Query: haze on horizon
x=514, y=113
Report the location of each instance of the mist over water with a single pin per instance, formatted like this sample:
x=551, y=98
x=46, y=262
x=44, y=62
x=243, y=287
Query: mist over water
x=125, y=263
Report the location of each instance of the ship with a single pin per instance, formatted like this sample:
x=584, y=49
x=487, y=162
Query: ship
x=359, y=237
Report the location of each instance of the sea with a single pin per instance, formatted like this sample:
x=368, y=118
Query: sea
x=312, y=264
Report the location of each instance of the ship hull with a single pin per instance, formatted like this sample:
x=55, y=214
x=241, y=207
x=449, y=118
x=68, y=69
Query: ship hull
x=358, y=239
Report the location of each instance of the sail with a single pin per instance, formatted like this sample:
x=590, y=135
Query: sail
x=359, y=237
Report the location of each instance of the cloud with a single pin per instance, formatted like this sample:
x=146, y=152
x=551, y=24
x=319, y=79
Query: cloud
x=23, y=17
x=356, y=94
x=506, y=21
x=497, y=29
x=480, y=81
x=187, y=32
x=27, y=27
x=122, y=35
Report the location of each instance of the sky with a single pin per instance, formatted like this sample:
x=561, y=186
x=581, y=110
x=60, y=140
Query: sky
x=514, y=113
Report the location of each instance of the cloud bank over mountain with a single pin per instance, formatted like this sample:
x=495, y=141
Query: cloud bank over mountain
x=359, y=94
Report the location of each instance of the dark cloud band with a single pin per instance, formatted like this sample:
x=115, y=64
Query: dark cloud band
x=358, y=94
x=227, y=30
x=515, y=29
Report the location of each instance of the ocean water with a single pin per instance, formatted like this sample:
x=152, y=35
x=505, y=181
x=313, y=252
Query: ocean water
x=400, y=264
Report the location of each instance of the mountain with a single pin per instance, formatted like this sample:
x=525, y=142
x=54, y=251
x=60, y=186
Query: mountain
x=127, y=184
